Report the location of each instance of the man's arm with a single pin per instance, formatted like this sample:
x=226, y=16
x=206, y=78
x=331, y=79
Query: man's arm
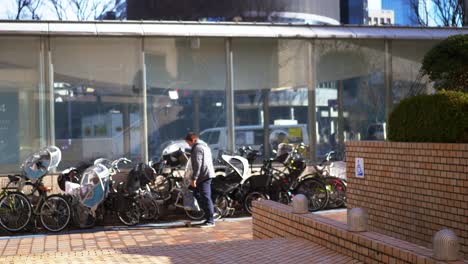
x=197, y=161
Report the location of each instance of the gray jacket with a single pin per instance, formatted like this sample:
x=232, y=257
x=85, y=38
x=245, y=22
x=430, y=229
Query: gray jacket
x=202, y=162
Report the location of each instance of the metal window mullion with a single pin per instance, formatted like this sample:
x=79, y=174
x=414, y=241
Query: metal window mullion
x=311, y=106
x=41, y=93
x=388, y=79
x=144, y=123
x=340, y=127
x=266, y=122
x=51, y=98
x=229, y=95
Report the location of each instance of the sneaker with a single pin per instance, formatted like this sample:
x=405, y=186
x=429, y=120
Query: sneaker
x=207, y=224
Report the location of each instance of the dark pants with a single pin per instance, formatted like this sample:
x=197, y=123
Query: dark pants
x=203, y=195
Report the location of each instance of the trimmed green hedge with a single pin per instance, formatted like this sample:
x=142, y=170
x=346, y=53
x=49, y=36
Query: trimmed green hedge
x=442, y=117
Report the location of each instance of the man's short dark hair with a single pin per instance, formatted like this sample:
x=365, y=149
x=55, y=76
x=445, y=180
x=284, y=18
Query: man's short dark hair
x=191, y=136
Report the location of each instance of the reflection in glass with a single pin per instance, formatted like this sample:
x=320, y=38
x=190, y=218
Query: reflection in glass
x=186, y=81
x=22, y=129
x=270, y=88
x=407, y=57
x=350, y=96
x=97, y=98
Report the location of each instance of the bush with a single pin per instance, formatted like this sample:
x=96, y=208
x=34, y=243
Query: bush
x=447, y=64
x=442, y=117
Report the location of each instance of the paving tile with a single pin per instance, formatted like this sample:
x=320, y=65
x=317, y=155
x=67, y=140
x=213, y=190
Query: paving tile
x=228, y=242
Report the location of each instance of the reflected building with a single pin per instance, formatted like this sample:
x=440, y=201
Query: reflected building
x=354, y=12
x=403, y=10
x=285, y=11
x=381, y=17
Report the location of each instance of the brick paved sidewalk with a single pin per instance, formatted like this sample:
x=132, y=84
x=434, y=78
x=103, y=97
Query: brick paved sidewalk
x=99, y=239
x=228, y=242
x=268, y=251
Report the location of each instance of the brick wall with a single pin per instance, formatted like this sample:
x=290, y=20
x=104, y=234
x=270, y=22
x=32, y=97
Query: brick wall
x=411, y=190
x=273, y=220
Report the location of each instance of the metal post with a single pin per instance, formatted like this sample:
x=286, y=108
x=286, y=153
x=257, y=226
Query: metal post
x=127, y=129
x=311, y=106
x=266, y=122
x=340, y=127
x=42, y=91
x=51, y=99
x=196, y=112
x=230, y=95
x=144, y=108
x=388, y=79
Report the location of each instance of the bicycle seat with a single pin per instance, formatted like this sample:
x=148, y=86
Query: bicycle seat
x=14, y=178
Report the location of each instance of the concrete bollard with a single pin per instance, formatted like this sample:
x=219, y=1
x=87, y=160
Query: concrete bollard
x=446, y=245
x=357, y=220
x=300, y=204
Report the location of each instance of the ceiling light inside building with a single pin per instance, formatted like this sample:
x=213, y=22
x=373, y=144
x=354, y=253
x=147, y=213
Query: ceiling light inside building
x=89, y=90
x=219, y=104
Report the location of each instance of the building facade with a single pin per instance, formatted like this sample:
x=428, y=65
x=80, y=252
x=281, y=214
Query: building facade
x=112, y=89
x=404, y=11
x=381, y=17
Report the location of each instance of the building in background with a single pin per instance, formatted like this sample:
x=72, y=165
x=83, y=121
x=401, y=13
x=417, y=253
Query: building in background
x=299, y=11
x=403, y=11
x=354, y=12
x=381, y=17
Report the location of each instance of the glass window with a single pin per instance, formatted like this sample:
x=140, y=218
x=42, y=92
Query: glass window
x=407, y=79
x=22, y=123
x=98, y=96
x=186, y=80
x=272, y=72
x=210, y=137
x=354, y=106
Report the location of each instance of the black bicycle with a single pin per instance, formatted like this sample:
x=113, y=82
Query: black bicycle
x=281, y=179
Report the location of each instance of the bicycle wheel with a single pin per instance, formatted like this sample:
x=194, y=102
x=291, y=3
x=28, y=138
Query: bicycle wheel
x=337, y=190
x=284, y=198
x=131, y=216
x=55, y=213
x=316, y=192
x=82, y=216
x=148, y=207
x=15, y=211
x=253, y=196
x=221, y=205
x=195, y=215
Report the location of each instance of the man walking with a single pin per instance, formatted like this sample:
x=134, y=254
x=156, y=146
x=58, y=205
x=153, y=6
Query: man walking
x=203, y=172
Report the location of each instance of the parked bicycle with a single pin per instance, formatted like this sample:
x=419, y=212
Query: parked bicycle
x=170, y=185
x=53, y=211
x=281, y=179
x=336, y=186
x=15, y=208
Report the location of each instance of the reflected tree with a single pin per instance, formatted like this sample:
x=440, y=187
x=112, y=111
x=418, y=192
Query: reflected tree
x=449, y=13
